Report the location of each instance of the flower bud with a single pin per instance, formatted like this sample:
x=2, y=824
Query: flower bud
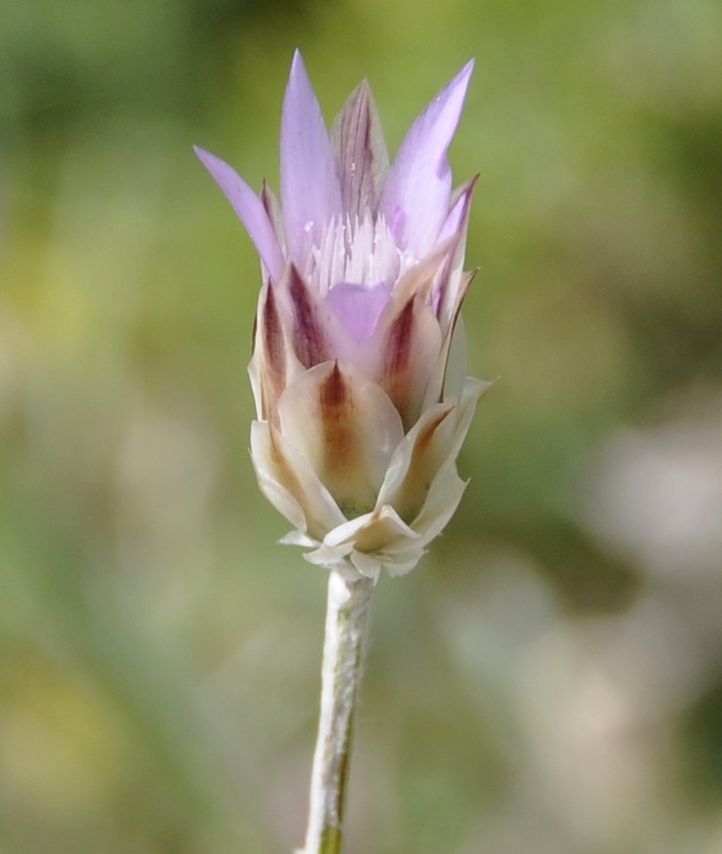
x=358, y=354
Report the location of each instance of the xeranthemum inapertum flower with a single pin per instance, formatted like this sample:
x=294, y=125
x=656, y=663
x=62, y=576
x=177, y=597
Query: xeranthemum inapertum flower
x=359, y=361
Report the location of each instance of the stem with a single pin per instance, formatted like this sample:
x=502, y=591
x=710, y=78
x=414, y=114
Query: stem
x=346, y=622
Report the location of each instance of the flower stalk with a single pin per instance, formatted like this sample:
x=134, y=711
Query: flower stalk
x=343, y=652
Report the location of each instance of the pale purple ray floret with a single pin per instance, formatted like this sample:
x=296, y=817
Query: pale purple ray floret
x=358, y=364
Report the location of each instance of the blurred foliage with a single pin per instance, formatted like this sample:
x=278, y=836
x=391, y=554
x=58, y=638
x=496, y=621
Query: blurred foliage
x=549, y=679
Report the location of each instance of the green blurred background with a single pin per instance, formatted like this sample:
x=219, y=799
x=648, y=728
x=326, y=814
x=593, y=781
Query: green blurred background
x=549, y=680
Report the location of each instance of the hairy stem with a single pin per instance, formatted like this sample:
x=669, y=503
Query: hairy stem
x=343, y=649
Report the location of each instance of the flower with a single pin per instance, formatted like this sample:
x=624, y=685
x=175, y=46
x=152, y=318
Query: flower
x=359, y=360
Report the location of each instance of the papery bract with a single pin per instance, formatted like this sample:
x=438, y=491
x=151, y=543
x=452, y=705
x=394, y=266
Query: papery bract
x=358, y=361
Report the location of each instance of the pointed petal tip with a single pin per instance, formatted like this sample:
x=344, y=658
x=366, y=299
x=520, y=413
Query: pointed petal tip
x=461, y=81
x=363, y=89
x=298, y=70
x=464, y=75
x=453, y=95
x=299, y=83
x=248, y=207
x=203, y=155
x=211, y=161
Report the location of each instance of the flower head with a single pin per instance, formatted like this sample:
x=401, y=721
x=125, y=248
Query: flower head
x=358, y=362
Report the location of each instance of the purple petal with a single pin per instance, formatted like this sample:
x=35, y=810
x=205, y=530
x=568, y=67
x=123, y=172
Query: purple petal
x=418, y=188
x=310, y=191
x=362, y=158
x=359, y=307
x=249, y=208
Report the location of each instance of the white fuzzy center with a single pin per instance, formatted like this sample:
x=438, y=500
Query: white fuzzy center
x=359, y=252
